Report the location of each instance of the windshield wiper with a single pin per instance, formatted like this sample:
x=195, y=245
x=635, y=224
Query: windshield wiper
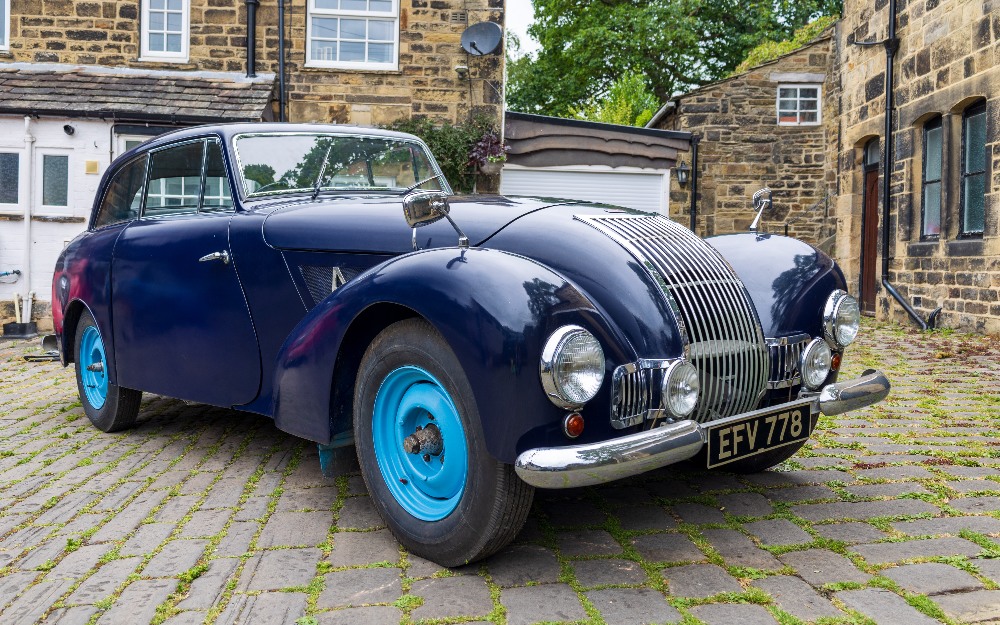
x=426, y=180
x=322, y=170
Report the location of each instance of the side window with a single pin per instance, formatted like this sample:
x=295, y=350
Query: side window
x=175, y=180
x=798, y=105
x=217, y=194
x=124, y=195
x=931, y=221
x=973, y=216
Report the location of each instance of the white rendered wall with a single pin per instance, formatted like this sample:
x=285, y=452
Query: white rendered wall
x=51, y=226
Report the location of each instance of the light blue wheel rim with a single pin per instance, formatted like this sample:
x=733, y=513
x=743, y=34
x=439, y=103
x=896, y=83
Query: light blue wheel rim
x=95, y=379
x=427, y=489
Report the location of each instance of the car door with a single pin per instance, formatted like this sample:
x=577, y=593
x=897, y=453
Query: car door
x=181, y=323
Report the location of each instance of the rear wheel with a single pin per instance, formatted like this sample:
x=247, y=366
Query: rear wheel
x=422, y=454
x=108, y=406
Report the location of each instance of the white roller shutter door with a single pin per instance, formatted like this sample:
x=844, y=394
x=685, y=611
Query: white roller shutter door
x=638, y=189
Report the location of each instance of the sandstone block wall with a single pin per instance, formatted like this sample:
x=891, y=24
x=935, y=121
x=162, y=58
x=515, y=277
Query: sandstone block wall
x=743, y=149
x=949, y=58
x=426, y=84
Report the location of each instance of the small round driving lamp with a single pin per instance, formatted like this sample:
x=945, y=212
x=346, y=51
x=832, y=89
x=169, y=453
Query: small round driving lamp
x=680, y=389
x=572, y=367
x=841, y=319
x=815, y=365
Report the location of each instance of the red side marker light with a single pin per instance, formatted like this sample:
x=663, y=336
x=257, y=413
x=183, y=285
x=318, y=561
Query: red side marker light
x=835, y=362
x=573, y=425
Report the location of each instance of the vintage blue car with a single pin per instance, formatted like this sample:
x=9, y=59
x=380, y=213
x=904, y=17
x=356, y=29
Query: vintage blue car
x=471, y=348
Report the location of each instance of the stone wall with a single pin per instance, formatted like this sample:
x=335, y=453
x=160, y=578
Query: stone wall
x=743, y=149
x=426, y=84
x=948, y=58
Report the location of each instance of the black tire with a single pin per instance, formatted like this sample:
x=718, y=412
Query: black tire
x=764, y=461
x=121, y=405
x=493, y=503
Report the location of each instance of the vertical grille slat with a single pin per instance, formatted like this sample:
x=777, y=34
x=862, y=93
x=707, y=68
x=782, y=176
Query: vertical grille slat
x=724, y=338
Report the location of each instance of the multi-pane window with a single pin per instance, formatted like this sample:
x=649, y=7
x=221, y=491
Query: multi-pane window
x=798, y=105
x=973, y=214
x=353, y=34
x=55, y=180
x=931, y=222
x=10, y=164
x=165, y=29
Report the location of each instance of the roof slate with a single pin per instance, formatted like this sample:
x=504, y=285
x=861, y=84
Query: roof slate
x=124, y=93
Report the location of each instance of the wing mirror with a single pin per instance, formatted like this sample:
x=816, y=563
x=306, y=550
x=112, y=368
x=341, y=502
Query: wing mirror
x=761, y=202
x=423, y=208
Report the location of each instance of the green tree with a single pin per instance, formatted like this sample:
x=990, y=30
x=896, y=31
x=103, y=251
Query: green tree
x=628, y=102
x=586, y=45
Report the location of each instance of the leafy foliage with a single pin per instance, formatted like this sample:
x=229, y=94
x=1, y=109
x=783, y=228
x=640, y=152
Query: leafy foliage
x=628, y=102
x=675, y=44
x=489, y=149
x=450, y=144
x=770, y=50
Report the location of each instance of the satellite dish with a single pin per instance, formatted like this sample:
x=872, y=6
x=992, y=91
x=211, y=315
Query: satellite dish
x=482, y=38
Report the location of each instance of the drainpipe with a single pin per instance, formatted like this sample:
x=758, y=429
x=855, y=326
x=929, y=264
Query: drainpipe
x=252, y=37
x=281, y=60
x=694, y=182
x=29, y=145
x=891, y=44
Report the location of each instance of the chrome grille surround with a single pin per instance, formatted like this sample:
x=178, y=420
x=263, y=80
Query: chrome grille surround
x=786, y=352
x=716, y=318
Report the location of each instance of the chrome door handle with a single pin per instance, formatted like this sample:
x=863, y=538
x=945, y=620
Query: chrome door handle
x=223, y=256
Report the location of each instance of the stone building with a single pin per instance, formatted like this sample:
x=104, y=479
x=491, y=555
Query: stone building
x=944, y=226
x=772, y=126
x=82, y=81
x=944, y=190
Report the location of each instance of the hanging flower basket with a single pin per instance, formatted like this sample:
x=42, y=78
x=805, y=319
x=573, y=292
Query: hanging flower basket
x=491, y=168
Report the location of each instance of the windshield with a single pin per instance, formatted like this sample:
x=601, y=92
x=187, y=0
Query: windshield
x=285, y=163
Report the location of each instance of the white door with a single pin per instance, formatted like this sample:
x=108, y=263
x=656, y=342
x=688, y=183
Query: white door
x=644, y=190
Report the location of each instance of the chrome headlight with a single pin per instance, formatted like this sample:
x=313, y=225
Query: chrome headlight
x=841, y=319
x=680, y=388
x=815, y=365
x=572, y=367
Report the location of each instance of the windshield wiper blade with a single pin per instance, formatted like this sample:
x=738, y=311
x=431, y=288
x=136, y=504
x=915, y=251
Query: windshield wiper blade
x=322, y=170
x=424, y=181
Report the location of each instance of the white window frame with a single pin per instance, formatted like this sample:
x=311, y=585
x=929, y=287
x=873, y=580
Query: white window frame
x=5, y=25
x=338, y=13
x=167, y=57
x=120, y=142
x=40, y=181
x=798, y=98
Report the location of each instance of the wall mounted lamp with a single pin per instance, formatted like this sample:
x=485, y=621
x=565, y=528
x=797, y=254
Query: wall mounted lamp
x=683, y=174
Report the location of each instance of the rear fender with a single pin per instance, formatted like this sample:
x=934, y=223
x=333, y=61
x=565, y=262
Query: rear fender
x=494, y=309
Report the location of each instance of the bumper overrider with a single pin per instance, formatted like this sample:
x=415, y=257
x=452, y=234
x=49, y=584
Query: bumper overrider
x=617, y=458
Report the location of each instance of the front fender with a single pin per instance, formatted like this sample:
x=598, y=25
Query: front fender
x=788, y=280
x=495, y=310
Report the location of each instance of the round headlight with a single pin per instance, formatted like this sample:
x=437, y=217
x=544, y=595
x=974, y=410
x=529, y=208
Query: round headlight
x=681, y=388
x=815, y=365
x=572, y=367
x=841, y=319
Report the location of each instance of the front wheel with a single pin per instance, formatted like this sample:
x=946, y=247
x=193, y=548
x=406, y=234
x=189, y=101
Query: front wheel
x=422, y=454
x=108, y=406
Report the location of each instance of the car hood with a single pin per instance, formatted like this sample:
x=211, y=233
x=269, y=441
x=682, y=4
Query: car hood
x=377, y=225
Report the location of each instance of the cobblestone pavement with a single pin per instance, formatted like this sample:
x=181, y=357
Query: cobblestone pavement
x=202, y=515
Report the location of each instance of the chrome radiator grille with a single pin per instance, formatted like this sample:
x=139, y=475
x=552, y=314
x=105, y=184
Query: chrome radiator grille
x=711, y=306
x=786, y=352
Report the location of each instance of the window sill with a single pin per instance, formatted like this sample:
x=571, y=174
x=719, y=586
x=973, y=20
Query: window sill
x=965, y=247
x=922, y=249
x=169, y=60
x=313, y=67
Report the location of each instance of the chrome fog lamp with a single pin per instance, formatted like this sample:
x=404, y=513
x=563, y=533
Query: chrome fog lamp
x=572, y=367
x=841, y=319
x=680, y=389
x=816, y=363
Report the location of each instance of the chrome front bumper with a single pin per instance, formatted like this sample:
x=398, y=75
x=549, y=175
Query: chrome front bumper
x=617, y=458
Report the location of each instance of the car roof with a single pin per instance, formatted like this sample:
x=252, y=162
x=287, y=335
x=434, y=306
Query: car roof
x=228, y=131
